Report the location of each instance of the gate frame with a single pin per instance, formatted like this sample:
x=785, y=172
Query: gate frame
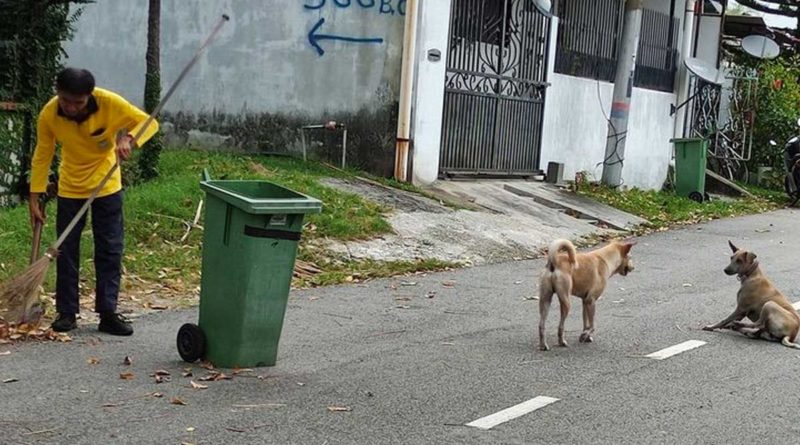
x=540, y=95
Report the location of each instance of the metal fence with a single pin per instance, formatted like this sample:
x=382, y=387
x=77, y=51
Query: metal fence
x=589, y=34
x=655, y=61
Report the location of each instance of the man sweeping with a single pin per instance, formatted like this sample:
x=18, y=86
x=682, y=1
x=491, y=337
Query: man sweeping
x=86, y=122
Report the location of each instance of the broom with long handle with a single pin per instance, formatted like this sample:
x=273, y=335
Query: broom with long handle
x=19, y=296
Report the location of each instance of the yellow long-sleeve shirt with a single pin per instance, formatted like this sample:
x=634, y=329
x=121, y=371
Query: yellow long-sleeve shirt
x=88, y=147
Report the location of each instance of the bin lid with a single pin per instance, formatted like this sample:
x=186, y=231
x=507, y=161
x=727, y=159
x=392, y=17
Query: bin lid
x=262, y=197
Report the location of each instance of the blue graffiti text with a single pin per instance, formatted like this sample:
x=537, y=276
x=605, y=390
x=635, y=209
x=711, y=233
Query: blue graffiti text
x=388, y=7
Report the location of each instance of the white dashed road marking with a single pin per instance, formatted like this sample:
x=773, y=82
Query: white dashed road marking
x=675, y=350
x=512, y=413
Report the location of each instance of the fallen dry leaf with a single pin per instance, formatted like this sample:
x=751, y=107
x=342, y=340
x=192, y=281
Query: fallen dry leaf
x=187, y=372
x=337, y=409
x=449, y=284
x=190, y=429
x=5, y=353
x=214, y=376
x=128, y=361
x=10, y=380
x=157, y=395
x=161, y=379
x=126, y=376
x=161, y=372
x=197, y=385
x=177, y=401
x=93, y=360
x=207, y=365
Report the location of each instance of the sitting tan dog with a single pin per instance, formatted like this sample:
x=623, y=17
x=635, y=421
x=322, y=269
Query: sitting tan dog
x=773, y=317
x=584, y=275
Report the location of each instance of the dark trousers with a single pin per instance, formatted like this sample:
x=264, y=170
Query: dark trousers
x=107, y=228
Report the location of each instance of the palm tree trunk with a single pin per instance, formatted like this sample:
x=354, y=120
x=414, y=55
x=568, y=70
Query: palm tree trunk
x=148, y=163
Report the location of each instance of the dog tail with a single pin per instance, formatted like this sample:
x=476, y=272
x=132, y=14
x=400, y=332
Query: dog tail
x=561, y=246
x=788, y=343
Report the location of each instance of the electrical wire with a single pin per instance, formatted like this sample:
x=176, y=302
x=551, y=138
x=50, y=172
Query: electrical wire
x=619, y=137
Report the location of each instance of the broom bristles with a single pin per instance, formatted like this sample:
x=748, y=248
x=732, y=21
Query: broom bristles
x=20, y=294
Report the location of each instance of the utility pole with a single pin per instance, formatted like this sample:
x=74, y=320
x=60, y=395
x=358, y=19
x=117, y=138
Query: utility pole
x=623, y=87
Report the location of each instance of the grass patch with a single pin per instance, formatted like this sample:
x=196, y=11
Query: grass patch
x=156, y=214
x=664, y=209
x=355, y=271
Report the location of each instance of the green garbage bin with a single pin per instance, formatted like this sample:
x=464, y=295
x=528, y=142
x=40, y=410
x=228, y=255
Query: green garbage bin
x=250, y=238
x=690, y=167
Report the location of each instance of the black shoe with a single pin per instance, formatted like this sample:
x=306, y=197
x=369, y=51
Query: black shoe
x=64, y=323
x=115, y=324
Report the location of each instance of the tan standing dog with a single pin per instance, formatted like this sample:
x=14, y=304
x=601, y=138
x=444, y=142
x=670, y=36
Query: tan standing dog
x=583, y=275
x=773, y=317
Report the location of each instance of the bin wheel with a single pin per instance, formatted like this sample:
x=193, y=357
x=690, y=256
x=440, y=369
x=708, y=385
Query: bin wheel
x=191, y=342
x=696, y=196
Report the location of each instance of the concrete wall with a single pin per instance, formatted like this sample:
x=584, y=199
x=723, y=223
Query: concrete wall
x=575, y=126
x=575, y=131
x=264, y=64
x=429, y=95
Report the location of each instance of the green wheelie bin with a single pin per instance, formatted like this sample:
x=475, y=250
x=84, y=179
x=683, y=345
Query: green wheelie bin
x=690, y=168
x=251, y=231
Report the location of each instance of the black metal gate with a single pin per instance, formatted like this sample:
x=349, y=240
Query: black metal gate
x=494, y=88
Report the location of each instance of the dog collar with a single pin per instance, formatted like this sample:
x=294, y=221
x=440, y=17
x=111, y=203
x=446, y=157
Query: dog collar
x=746, y=273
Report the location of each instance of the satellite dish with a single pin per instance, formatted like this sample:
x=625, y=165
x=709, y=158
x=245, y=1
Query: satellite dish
x=544, y=7
x=704, y=70
x=761, y=47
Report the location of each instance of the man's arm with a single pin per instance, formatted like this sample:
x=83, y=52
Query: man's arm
x=40, y=166
x=134, y=120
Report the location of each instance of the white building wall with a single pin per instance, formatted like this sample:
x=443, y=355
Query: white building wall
x=575, y=126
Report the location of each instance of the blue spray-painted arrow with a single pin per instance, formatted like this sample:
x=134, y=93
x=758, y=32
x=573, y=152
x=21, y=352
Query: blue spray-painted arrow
x=314, y=38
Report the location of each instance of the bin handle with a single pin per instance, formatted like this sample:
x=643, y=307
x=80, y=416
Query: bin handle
x=284, y=235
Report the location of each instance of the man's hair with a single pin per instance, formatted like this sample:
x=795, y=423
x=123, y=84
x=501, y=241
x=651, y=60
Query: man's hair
x=75, y=81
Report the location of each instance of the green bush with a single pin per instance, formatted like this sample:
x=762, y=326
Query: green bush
x=777, y=113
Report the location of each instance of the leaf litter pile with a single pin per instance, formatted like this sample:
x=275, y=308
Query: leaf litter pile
x=12, y=332
x=163, y=376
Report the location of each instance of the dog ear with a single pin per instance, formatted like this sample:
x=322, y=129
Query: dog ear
x=733, y=248
x=626, y=247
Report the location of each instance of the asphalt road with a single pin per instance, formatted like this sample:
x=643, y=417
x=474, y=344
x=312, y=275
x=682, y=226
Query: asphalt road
x=414, y=360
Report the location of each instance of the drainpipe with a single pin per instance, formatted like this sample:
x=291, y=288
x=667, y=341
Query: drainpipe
x=683, y=76
x=406, y=88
